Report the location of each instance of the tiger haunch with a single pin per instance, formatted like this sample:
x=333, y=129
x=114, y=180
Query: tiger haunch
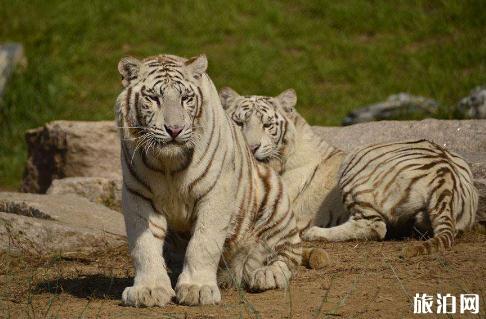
x=405, y=188
x=181, y=158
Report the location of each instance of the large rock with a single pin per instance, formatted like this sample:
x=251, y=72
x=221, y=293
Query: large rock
x=105, y=191
x=466, y=137
x=40, y=236
x=70, y=149
x=48, y=223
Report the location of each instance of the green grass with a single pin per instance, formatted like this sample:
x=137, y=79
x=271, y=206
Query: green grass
x=338, y=55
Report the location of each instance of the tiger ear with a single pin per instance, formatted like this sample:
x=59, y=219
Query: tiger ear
x=227, y=95
x=288, y=99
x=197, y=65
x=129, y=68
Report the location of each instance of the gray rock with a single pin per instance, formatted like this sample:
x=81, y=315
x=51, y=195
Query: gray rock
x=48, y=223
x=70, y=211
x=10, y=55
x=105, y=191
x=395, y=106
x=31, y=235
x=466, y=137
x=70, y=149
x=474, y=105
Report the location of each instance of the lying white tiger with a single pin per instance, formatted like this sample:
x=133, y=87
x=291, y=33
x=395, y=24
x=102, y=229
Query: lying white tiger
x=187, y=170
x=281, y=138
x=395, y=189
x=390, y=190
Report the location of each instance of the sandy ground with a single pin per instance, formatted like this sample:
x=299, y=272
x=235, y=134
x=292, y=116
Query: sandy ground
x=363, y=280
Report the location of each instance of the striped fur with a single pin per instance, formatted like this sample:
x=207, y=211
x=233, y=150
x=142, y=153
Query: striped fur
x=192, y=188
x=286, y=142
x=398, y=189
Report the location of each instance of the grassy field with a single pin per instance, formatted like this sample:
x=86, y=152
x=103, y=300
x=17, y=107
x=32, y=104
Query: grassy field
x=338, y=55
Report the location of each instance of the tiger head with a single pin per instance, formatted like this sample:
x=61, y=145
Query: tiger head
x=160, y=100
x=266, y=122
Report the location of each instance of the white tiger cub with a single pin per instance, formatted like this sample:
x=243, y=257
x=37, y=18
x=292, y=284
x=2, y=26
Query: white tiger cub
x=279, y=137
x=390, y=190
x=188, y=173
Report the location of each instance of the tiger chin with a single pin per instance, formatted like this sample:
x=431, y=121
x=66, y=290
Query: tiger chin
x=388, y=190
x=181, y=157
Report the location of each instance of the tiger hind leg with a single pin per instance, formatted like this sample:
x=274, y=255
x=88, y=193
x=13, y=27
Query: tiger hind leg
x=443, y=226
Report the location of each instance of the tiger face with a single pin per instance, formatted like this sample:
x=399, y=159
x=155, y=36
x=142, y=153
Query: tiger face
x=162, y=99
x=266, y=122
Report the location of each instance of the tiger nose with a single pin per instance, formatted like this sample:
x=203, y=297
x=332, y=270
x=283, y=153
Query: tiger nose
x=173, y=130
x=254, y=147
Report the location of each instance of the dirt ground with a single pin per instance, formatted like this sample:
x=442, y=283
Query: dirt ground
x=363, y=280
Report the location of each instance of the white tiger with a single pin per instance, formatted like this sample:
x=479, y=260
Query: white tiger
x=279, y=137
x=408, y=188
x=389, y=190
x=189, y=180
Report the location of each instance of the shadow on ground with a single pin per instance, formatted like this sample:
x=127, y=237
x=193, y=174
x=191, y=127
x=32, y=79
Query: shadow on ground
x=92, y=286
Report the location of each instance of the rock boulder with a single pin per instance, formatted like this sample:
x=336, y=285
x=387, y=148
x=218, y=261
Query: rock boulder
x=48, y=223
x=101, y=190
x=70, y=149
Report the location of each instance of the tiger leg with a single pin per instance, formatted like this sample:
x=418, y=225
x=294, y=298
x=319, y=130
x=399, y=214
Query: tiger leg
x=278, y=263
x=197, y=284
x=152, y=286
x=443, y=225
x=364, y=223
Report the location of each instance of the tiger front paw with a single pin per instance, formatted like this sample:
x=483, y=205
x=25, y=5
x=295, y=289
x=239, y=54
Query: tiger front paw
x=193, y=295
x=144, y=296
x=275, y=276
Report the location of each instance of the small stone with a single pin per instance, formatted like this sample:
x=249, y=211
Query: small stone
x=474, y=105
x=395, y=106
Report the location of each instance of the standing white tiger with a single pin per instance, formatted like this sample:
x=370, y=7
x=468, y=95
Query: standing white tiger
x=187, y=173
x=391, y=189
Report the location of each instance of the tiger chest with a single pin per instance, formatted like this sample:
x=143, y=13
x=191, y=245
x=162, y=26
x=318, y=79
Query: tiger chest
x=178, y=209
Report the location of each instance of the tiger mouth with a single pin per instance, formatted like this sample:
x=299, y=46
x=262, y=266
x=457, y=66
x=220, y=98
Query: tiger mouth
x=264, y=159
x=164, y=143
